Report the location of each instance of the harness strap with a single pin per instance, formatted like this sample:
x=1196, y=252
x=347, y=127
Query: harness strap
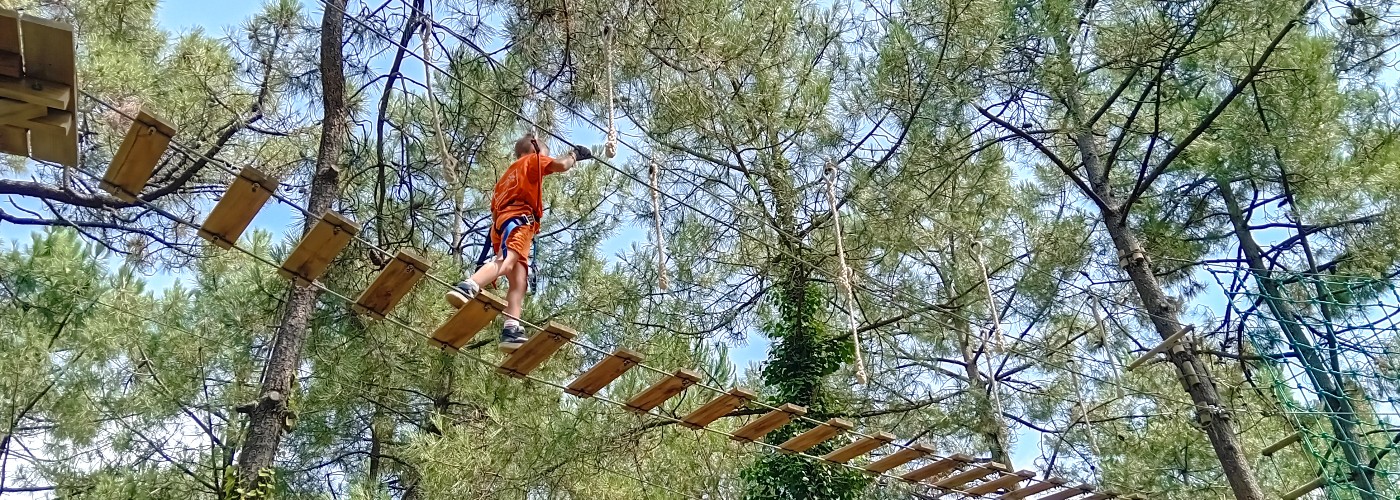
x=505, y=229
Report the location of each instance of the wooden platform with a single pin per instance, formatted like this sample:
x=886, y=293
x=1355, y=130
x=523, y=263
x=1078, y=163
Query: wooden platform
x=815, y=436
x=603, y=373
x=469, y=320
x=1033, y=488
x=663, y=390
x=898, y=458
x=769, y=422
x=392, y=284
x=242, y=201
x=718, y=407
x=1003, y=482
x=936, y=468
x=536, y=350
x=314, y=253
x=862, y=446
x=38, y=89
x=145, y=142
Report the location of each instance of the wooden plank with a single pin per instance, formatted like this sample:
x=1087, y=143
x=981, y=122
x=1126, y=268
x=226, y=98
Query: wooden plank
x=769, y=422
x=1167, y=344
x=131, y=167
x=1103, y=495
x=36, y=91
x=1033, y=488
x=49, y=50
x=535, y=351
x=956, y=481
x=14, y=112
x=1316, y=483
x=11, y=63
x=898, y=458
x=392, y=284
x=314, y=253
x=936, y=467
x=468, y=320
x=14, y=140
x=860, y=447
x=1282, y=443
x=242, y=201
x=718, y=407
x=1004, y=482
x=815, y=436
x=603, y=373
x=9, y=32
x=49, y=54
x=1066, y=494
x=663, y=390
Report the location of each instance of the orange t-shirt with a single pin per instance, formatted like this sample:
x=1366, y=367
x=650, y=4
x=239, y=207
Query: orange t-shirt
x=519, y=190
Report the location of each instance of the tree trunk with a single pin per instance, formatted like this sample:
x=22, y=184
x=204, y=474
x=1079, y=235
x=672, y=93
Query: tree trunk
x=1212, y=415
x=1340, y=412
x=265, y=421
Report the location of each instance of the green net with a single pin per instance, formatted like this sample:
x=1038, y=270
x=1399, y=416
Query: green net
x=1332, y=354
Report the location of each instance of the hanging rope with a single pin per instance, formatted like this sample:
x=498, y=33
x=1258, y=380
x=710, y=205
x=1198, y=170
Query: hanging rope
x=656, y=215
x=610, y=144
x=845, y=272
x=993, y=334
x=449, y=162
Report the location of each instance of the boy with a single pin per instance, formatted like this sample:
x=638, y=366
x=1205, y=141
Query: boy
x=516, y=208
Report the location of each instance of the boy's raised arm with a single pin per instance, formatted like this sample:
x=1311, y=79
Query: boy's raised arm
x=564, y=163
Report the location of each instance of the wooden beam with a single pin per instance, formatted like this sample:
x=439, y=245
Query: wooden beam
x=816, y=435
x=935, y=468
x=1166, y=345
x=663, y=390
x=1004, y=482
x=468, y=320
x=1103, y=495
x=769, y=422
x=1282, y=443
x=11, y=63
x=9, y=38
x=314, y=253
x=1069, y=493
x=36, y=91
x=536, y=350
x=718, y=407
x=956, y=481
x=1033, y=488
x=392, y=284
x=242, y=201
x=859, y=447
x=1298, y=492
x=603, y=373
x=145, y=142
x=898, y=458
x=14, y=112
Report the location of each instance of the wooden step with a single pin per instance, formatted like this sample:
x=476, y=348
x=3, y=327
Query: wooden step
x=392, y=284
x=1005, y=481
x=1068, y=493
x=937, y=467
x=468, y=320
x=860, y=447
x=718, y=407
x=309, y=260
x=769, y=422
x=236, y=209
x=815, y=436
x=536, y=350
x=898, y=458
x=663, y=390
x=1282, y=443
x=145, y=143
x=1033, y=488
x=1298, y=492
x=1102, y=495
x=956, y=481
x=603, y=373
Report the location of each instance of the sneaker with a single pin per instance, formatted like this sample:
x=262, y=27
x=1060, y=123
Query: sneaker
x=464, y=293
x=512, y=338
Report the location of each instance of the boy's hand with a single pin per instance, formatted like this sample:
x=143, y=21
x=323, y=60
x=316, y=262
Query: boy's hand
x=582, y=153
